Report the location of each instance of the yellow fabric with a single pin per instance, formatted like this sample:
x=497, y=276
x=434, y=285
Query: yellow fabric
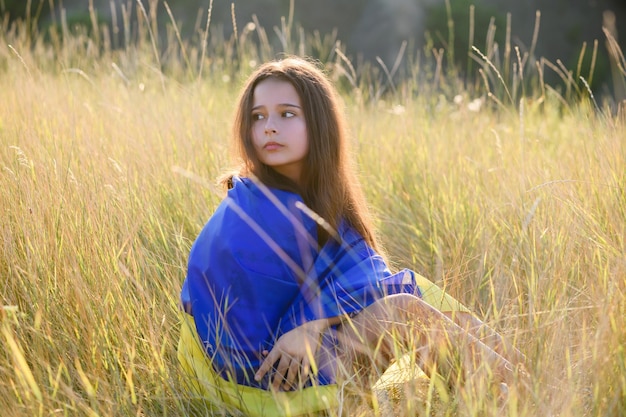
x=436, y=297
x=204, y=382
x=253, y=402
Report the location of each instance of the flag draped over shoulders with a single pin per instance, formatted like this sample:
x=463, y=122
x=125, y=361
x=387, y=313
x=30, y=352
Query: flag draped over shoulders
x=255, y=272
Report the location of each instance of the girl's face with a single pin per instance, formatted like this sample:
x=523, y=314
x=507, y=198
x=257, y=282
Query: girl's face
x=279, y=133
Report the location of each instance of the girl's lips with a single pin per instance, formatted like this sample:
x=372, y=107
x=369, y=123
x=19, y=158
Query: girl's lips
x=272, y=146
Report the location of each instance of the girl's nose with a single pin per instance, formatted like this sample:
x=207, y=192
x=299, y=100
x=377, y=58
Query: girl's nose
x=270, y=127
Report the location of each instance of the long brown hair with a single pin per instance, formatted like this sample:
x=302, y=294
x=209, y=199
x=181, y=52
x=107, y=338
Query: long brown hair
x=328, y=185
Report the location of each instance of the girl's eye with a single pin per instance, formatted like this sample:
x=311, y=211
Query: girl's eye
x=288, y=114
x=257, y=116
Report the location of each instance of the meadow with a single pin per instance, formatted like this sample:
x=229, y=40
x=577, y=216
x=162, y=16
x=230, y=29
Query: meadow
x=512, y=198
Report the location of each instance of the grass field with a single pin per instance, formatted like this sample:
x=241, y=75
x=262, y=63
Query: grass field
x=518, y=209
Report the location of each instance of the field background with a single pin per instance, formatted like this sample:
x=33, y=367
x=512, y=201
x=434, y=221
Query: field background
x=513, y=198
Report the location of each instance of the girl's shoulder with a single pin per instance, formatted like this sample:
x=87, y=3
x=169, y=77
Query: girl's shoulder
x=350, y=236
x=247, y=185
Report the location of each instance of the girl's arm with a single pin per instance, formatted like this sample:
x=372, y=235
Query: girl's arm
x=293, y=353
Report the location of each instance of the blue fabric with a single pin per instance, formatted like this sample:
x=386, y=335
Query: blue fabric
x=255, y=273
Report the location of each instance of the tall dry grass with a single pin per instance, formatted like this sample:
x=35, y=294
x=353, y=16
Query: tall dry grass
x=517, y=209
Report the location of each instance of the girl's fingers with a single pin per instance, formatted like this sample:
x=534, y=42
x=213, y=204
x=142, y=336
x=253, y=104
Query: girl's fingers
x=304, y=372
x=291, y=376
x=281, y=371
x=306, y=368
x=269, y=360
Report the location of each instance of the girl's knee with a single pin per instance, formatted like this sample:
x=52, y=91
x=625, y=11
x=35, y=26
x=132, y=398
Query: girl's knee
x=403, y=307
x=401, y=300
x=404, y=303
x=393, y=302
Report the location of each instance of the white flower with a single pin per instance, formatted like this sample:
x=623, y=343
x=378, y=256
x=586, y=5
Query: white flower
x=475, y=105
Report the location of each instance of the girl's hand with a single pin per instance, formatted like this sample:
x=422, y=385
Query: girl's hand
x=293, y=353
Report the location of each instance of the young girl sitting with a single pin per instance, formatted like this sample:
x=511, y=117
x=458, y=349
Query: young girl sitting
x=287, y=293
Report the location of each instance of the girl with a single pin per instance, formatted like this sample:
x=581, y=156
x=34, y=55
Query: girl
x=287, y=290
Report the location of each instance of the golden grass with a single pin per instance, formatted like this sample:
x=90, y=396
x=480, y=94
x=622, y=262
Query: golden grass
x=520, y=213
